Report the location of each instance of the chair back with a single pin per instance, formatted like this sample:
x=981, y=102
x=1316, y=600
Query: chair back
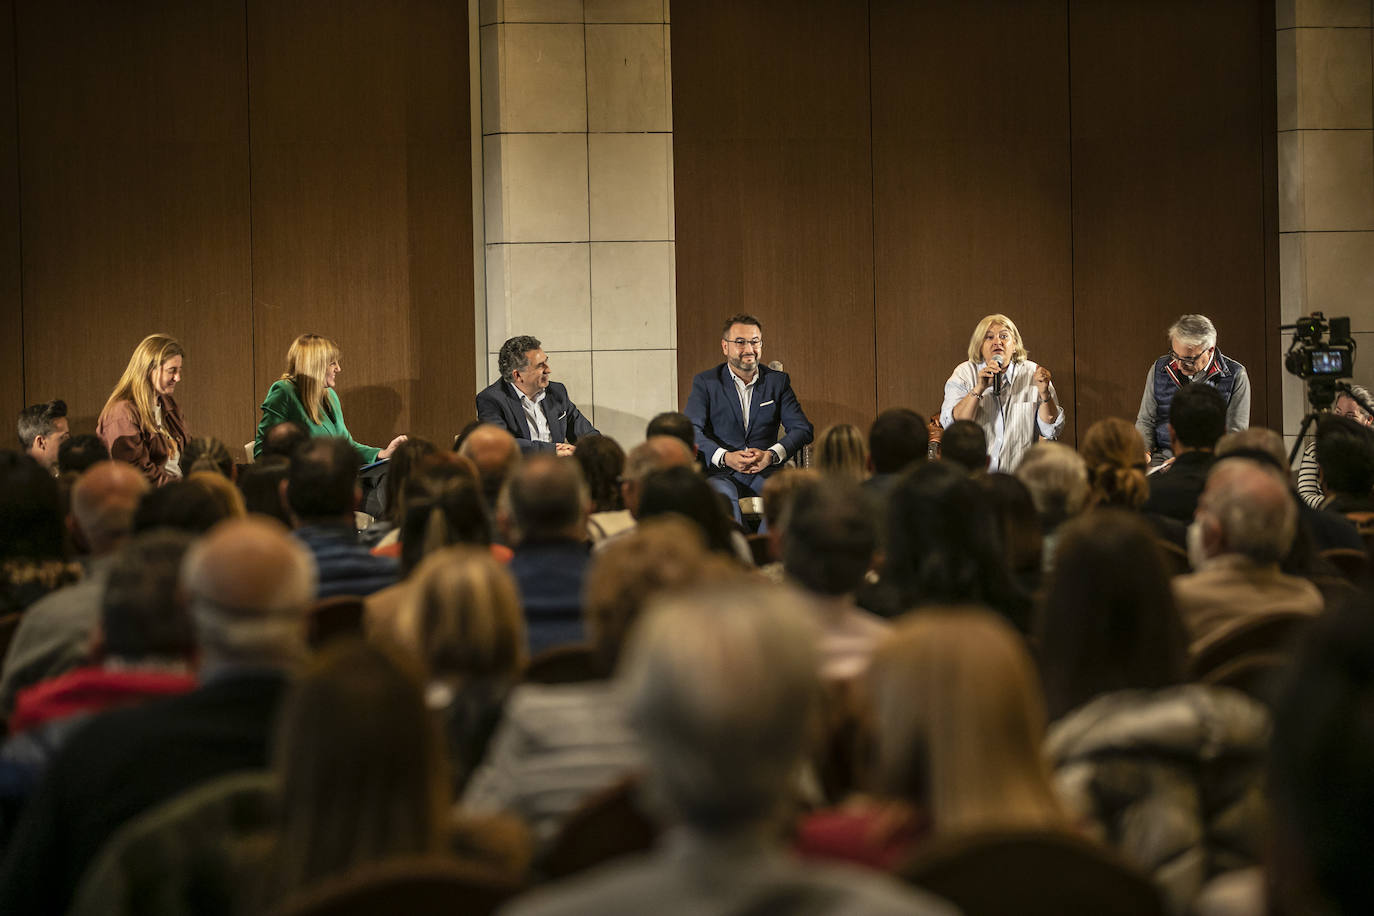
x=607, y=825
x=1249, y=655
x=330, y=618
x=563, y=665
x=415, y=887
x=1350, y=562
x=1175, y=558
x=1033, y=873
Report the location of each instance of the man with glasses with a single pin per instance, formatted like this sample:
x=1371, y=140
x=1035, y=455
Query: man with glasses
x=1193, y=357
x=737, y=410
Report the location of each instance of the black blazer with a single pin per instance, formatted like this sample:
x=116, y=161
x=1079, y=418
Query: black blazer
x=499, y=404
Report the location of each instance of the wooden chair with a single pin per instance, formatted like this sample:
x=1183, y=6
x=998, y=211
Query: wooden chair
x=607, y=825
x=1350, y=562
x=330, y=618
x=758, y=549
x=562, y=665
x=1250, y=655
x=1033, y=873
x=1175, y=558
x=415, y=887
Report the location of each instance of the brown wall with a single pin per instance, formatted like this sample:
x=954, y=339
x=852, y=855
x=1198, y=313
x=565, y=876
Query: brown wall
x=236, y=173
x=11, y=316
x=1092, y=169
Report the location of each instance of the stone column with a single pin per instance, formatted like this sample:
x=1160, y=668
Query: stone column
x=1326, y=175
x=577, y=174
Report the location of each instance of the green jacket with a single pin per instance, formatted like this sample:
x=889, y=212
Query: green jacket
x=283, y=403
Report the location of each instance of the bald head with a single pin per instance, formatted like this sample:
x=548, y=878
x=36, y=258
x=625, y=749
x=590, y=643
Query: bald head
x=655, y=453
x=1247, y=509
x=249, y=583
x=103, y=503
x=548, y=498
x=495, y=453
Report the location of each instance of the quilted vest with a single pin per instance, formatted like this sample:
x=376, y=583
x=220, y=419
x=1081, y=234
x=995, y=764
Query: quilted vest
x=1221, y=375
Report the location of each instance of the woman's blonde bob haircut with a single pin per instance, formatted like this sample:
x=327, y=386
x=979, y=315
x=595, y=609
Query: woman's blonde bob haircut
x=840, y=450
x=958, y=718
x=136, y=384
x=975, y=343
x=307, y=363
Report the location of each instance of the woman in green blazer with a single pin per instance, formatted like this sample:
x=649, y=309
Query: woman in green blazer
x=305, y=394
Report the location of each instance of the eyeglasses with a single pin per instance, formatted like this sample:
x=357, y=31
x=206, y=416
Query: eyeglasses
x=1189, y=359
x=742, y=342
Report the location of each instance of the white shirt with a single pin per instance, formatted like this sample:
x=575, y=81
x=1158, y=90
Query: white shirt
x=539, y=424
x=745, y=390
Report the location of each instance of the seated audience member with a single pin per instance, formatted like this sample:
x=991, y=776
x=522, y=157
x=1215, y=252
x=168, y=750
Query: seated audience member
x=1345, y=456
x=55, y=631
x=965, y=444
x=261, y=485
x=558, y=744
x=408, y=455
x=603, y=465
x=222, y=490
x=322, y=492
x=897, y=439
x=656, y=453
x=944, y=547
x=461, y=618
x=682, y=491
x=1057, y=479
x=183, y=506
x=1165, y=772
x=443, y=507
x=42, y=430
x=281, y=440
x=545, y=513
x=496, y=455
x=79, y=453
x=778, y=493
x=1114, y=453
x=362, y=772
x=1320, y=758
x=672, y=423
x=32, y=548
x=722, y=692
x=206, y=453
x=1019, y=525
x=1197, y=419
x=1245, y=523
x=828, y=544
x=141, y=649
x=248, y=585
x=1353, y=402
x=840, y=452
x=957, y=720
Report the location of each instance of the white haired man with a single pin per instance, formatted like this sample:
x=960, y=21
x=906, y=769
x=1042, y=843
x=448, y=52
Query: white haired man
x=1193, y=357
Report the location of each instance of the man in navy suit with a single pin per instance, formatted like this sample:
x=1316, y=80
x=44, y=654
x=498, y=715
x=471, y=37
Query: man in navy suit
x=737, y=409
x=525, y=403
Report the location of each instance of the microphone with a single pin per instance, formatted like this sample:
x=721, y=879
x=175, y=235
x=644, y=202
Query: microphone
x=997, y=379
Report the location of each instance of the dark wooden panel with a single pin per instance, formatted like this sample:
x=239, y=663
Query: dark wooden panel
x=11, y=315
x=971, y=188
x=362, y=227
x=773, y=192
x=133, y=142
x=1169, y=187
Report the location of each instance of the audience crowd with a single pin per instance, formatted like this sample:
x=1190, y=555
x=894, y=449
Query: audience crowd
x=560, y=684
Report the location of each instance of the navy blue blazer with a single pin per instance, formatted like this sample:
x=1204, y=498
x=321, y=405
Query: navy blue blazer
x=713, y=407
x=499, y=404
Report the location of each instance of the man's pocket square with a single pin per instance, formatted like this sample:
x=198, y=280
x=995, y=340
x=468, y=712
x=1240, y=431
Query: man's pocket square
x=765, y=403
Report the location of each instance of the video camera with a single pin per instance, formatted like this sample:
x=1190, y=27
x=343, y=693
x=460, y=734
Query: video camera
x=1319, y=362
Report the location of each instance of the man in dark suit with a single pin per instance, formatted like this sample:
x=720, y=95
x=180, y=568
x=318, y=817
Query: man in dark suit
x=249, y=584
x=739, y=409
x=524, y=402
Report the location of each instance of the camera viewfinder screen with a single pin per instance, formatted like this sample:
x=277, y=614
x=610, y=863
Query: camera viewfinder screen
x=1327, y=362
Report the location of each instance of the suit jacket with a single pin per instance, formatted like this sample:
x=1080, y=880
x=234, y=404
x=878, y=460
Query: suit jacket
x=499, y=404
x=1174, y=493
x=714, y=409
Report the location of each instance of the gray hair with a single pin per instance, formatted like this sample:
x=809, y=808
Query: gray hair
x=1057, y=478
x=1360, y=395
x=1251, y=502
x=1194, y=331
x=512, y=356
x=722, y=687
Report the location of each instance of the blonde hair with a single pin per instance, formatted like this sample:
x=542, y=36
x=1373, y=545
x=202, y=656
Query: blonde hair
x=136, y=384
x=959, y=719
x=841, y=451
x=975, y=343
x=222, y=490
x=1115, y=455
x=462, y=617
x=307, y=363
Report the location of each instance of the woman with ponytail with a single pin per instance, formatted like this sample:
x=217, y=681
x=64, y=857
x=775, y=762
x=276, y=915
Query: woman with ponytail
x=1112, y=449
x=140, y=422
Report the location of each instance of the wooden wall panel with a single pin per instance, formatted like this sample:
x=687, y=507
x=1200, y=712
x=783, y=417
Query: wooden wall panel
x=971, y=188
x=362, y=226
x=773, y=192
x=1169, y=188
x=11, y=284
x=133, y=146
